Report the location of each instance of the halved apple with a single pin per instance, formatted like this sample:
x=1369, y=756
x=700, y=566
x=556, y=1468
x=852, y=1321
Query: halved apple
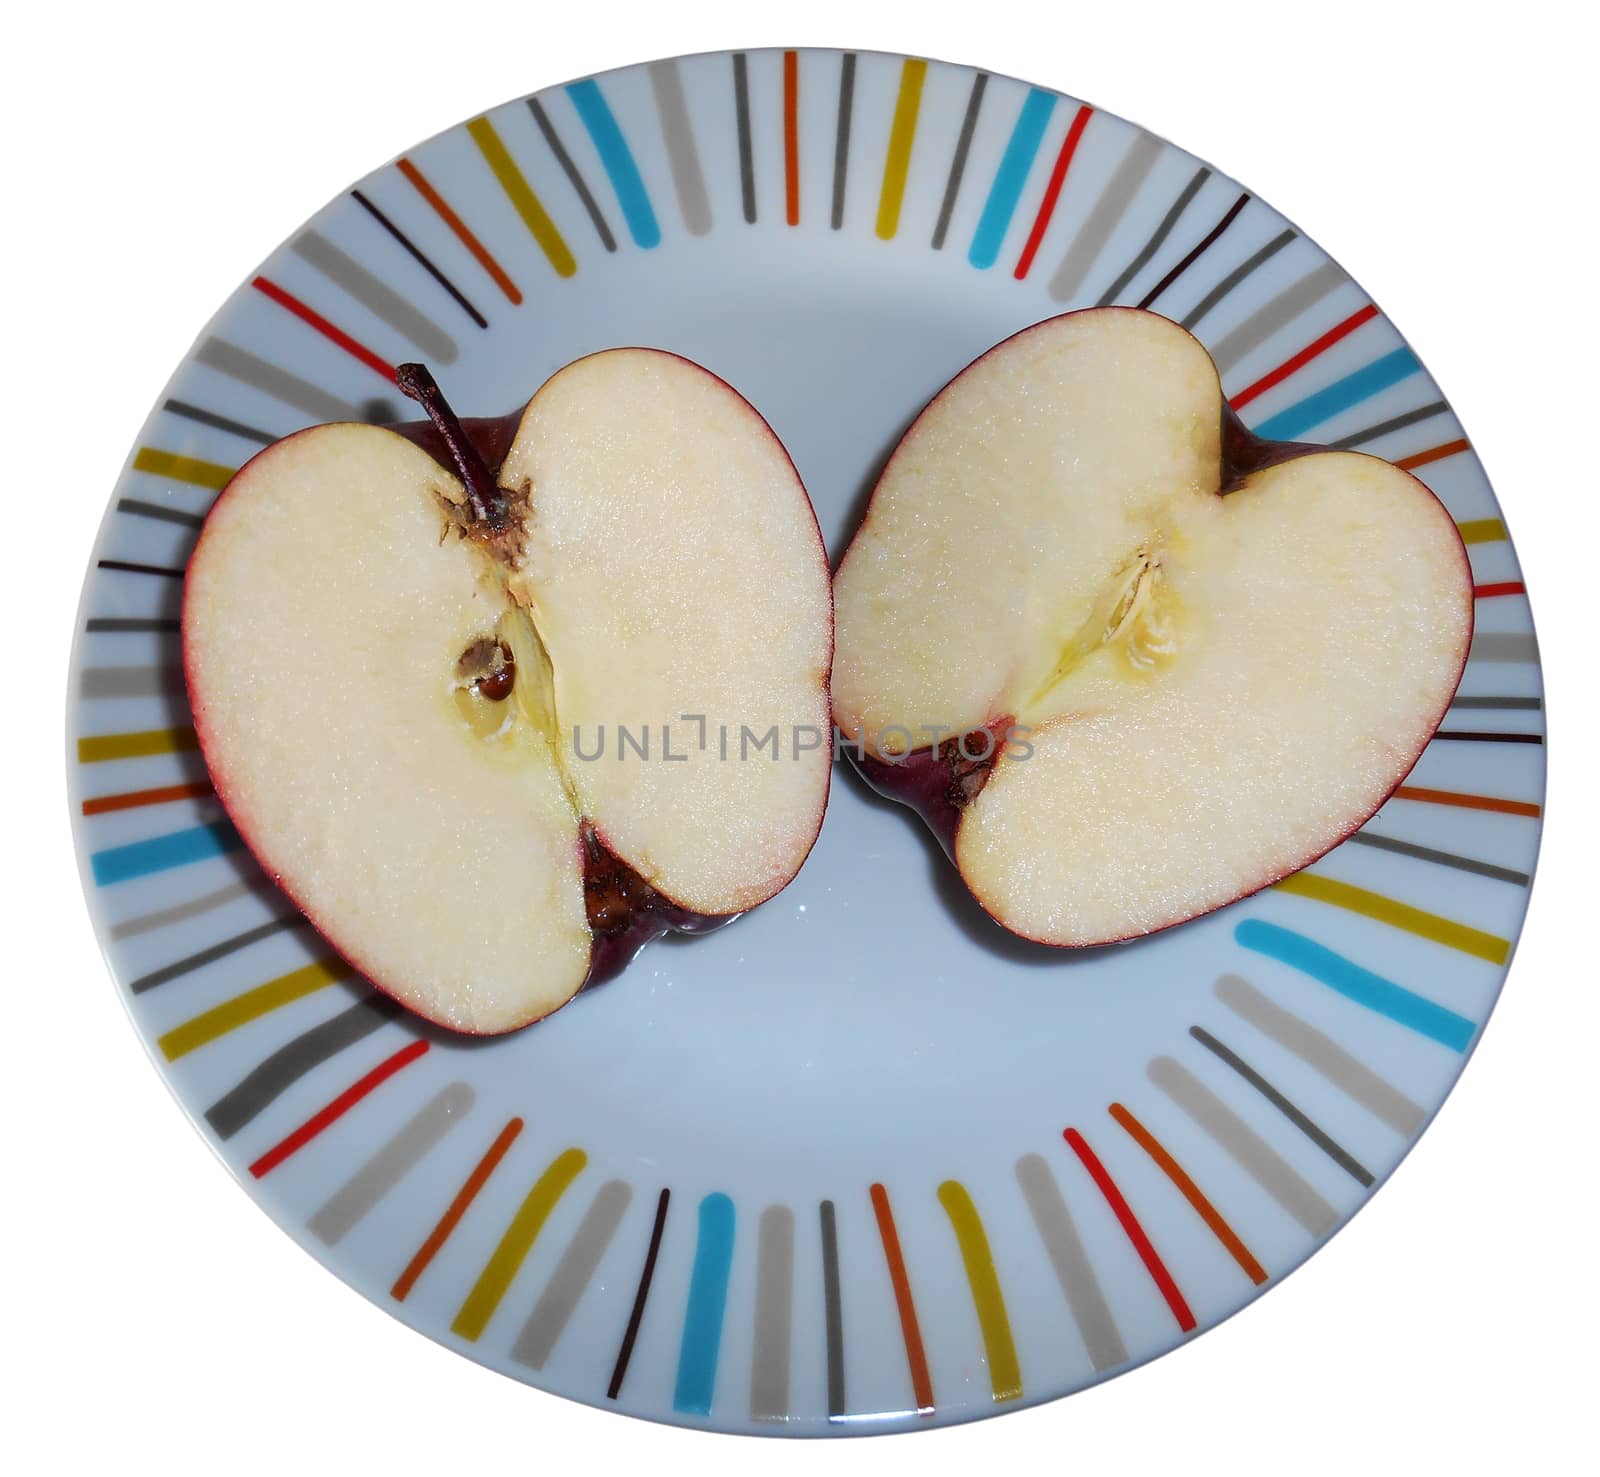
x=411, y=680
x=1202, y=693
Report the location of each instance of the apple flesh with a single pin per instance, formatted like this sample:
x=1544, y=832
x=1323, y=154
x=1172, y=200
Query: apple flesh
x=1215, y=656
x=402, y=667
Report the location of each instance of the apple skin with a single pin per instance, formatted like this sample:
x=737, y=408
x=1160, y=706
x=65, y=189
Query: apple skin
x=923, y=780
x=652, y=914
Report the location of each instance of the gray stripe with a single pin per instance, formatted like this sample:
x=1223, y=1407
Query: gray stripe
x=572, y=1275
x=677, y=133
x=1102, y=220
x=1296, y=1115
x=747, y=168
x=1394, y=423
x=378, y=297
x=833, y=1309
x=210, y=956
x=218, y=422
x=96, y=682
x=124, y=625
x=1504, y=704
x=841, y=134
x=1504, y=646
x=1277, y=312
x=183, y=912
x=390, y=1163
x=1441, y=858
x=958, y=164
x=1322, y=1054
x=1096, y=1326
x=249, y=369
x=1154, y=244
x=290, y=1063
x=1243, y=1145
x=769, y=1358
x=137, y=508
x=564, y=159
x=1235, y=277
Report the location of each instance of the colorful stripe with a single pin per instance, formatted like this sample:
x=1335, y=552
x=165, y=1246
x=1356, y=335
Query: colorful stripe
x=160, y=795
x=1481, y=531
x=905, y=1304
x=1052, y=191
x=1433, y=454
x=508, y=1257
x=523, y=200
x=1131, y=1228
x=250, y=1006
x=1101, y=1338
x=1399, y=915
x=791, y=137
x=211, y=475
x=1497, y=588
x=163, y=853
x=321, y=1121
x=708, y=1299
x=1406, y=1008
x=1005, y=1373
x=641, y=1296
x=1016, y=163
x=459, y=228
x=457, y=1208
x=1467, y=802
x=572, y=1275
x=902, y=136
x=375, y=295
x=1341, y=395
x=1213, y=1218
x=328, y=329
x=390, y=1163
x=617, y=158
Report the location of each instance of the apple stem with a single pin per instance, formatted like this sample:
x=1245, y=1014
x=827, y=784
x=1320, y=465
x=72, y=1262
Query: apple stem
x=485, y=498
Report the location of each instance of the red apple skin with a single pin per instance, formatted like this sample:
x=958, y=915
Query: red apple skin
x=920, y=780
x=610, y=952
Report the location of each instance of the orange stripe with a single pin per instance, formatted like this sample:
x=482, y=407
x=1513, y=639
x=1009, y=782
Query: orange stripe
x=457, y=1208
x=1432, y=454
x=463, y=231
x=921, y=1384
x=102, y=804
x=1466, y=802
x=1192, y=1193
x=791, y=134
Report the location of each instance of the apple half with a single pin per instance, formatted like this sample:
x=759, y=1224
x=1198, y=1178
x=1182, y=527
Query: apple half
x=410, y=678
x=1128, y=662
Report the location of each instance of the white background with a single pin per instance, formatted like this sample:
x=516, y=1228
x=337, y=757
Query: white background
x=153, y=1317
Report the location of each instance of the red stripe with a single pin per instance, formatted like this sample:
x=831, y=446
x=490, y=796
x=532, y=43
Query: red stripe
x=337, y=1108
x=1135, y=1232
x=1304, y=357
x=791, y=135
x=1052, y=191
x=1505, y=587
x=326, y=329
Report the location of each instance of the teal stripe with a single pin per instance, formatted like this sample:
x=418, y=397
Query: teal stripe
x=1339, y=396
x=708, y=1297
x=1355, y=983
x=597, y=117
x=1006, y=190
x=160, y=853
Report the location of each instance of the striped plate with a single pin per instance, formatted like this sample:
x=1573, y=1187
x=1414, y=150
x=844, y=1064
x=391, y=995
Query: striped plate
x=860, y=1162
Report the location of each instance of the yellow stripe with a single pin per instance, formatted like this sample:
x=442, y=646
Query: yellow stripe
x=516, y=1243
x=1398, y=915
x=251, y=1005
x=183, y=468
x=1481, y=530
x=901, y=136
x=520, y=193
x=1005, y=1374
x=105, y=746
